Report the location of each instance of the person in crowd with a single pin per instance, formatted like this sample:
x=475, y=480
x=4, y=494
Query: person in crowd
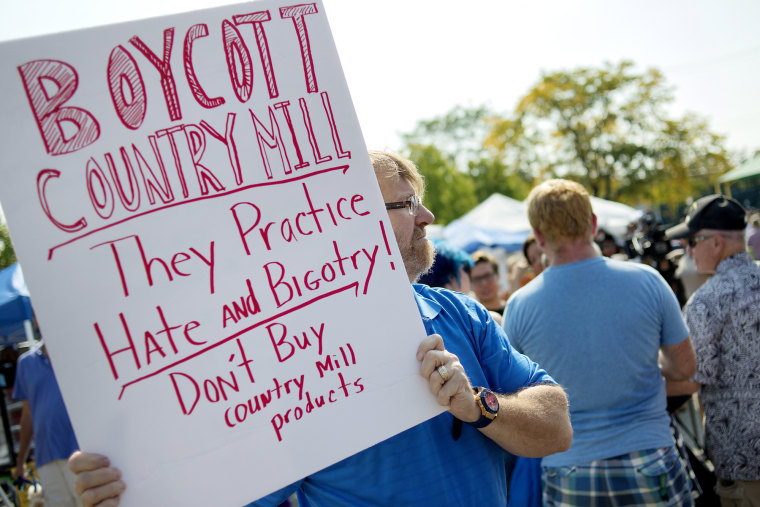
x=609, y=331
x=686, y=271
x=607, y=244
x=629, y=248
x=723, y=316
x=753, y=236
x=533, y=255
x=527, y=268
x=45, y=421
x=524, y=474
x=497, y=399
x=484, y=277
x=450, y=270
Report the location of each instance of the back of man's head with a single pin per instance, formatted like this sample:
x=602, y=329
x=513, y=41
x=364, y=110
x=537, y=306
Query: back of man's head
x=560, y=209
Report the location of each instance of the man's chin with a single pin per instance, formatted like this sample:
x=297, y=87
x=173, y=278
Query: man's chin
x=420, y=261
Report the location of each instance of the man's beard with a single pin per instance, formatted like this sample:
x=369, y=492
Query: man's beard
x=418, y=255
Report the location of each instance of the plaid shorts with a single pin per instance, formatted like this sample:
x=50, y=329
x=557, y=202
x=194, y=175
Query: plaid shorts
x=655, y=477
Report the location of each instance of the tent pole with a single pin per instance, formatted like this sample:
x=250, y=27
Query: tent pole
x=9, y=442
x=29, y=330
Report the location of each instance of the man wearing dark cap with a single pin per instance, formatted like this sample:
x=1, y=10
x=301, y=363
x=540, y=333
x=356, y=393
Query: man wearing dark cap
x=723, y=317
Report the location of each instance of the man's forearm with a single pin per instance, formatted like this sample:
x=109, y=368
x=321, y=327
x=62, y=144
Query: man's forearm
x=681, y=387
x=532, y=422
x=678, y=362
x=25, y=435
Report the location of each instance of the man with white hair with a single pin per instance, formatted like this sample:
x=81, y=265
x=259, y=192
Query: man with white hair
x=723, y=316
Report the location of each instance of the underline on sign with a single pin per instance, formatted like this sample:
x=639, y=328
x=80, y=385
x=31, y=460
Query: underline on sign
x=343, y=168
x=354, y=285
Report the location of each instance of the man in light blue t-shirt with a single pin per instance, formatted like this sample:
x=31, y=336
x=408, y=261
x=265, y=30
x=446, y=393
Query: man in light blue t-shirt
x=608, y=331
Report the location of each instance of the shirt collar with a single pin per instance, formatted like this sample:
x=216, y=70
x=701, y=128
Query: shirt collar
x=429, y=308
x=733, y=261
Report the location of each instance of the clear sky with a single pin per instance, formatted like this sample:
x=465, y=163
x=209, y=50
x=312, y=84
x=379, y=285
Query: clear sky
x=407, y=60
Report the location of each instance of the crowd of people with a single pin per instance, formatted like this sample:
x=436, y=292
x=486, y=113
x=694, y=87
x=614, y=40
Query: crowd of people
x=554, y=373
x=556, y=323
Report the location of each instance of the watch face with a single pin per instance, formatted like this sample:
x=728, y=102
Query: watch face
x=491, y=401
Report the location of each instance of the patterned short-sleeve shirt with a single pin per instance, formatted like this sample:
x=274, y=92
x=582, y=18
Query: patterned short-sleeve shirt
x=723, y=317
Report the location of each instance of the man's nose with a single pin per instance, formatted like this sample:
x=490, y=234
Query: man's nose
x=424, y=216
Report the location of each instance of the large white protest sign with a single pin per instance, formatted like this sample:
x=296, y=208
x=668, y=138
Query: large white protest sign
x=207, y=249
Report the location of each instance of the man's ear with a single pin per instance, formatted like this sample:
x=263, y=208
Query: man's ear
x=539, y=238
x=720, y=242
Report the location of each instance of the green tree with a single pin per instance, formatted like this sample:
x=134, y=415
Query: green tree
x=449, y=192
x=458, y=134
x=609, y=129
x=7, y=254
x=459, y=137
x=491, y=175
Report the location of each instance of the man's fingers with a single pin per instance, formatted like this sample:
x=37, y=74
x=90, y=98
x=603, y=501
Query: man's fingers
x=85, y=461
x=107, y=495
x=96, y=478
x=454, y=375
x=432, y=342
x=445, y=374
x=97, y=483
x=432, y=360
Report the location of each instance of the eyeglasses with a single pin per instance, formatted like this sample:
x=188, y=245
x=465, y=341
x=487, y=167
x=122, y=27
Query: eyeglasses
x=412, y=204
x=477, y=280
x=696, y=239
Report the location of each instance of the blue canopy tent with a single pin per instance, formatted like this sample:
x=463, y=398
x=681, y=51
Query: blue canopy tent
x=15, y=312
x=15, y=306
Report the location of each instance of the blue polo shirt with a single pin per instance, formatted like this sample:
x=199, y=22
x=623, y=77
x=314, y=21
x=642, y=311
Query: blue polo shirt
x=35, y=382
x=424, y=465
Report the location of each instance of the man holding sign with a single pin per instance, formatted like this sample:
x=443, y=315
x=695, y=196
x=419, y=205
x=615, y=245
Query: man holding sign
x=466, y=359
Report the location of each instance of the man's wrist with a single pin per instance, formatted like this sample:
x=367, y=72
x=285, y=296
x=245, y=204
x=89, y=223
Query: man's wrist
x=488, y=404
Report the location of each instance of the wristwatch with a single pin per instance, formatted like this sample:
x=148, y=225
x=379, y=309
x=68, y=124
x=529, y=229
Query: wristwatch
x=488, y=404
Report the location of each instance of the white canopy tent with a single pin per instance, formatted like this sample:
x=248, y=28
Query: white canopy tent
x=614, y=217
x=501, y=221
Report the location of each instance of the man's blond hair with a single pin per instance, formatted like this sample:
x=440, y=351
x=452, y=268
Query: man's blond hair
x=388, y=165
x=560, y=209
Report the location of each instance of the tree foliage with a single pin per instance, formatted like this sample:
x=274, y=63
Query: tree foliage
x=492, y=175
x=7, y=254
x=608, y=128
x=458, y=134
x=449, y=192
x=458, y=138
